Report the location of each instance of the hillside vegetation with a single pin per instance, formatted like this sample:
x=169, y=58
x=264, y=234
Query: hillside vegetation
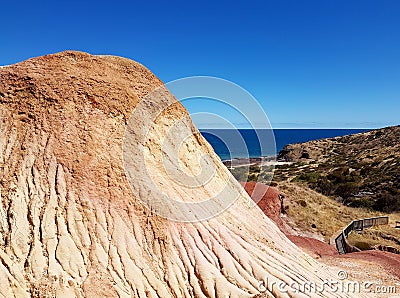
x=360, y=170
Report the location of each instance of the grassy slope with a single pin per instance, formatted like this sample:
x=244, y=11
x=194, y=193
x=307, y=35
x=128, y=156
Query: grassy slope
x=307, y=207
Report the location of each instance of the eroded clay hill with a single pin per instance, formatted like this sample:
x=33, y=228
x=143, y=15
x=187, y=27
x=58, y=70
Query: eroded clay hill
x=70, y=223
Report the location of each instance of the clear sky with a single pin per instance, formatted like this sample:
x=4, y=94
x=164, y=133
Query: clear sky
x=321, y=63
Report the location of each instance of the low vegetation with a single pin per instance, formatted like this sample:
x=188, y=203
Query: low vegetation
x=256, y=173
x=359, y=170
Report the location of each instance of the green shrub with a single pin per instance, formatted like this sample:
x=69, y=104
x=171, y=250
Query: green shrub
x=310, y=177
x=324, y=186
x=366, y=202
x=266, y=176
x=252, y=177
x=302, y=203
x=345, y=190
x=362, y=245
x=387, y=203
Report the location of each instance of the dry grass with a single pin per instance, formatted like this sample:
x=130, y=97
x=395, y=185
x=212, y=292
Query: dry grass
x=377, y=235
x=307, y=207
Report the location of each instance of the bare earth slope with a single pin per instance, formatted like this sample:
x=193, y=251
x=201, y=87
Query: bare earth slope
x=70, y=224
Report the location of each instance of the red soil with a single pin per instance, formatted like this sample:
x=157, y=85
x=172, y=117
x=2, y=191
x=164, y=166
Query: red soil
x=313, y=246
x=267, y=198
x=390, y=261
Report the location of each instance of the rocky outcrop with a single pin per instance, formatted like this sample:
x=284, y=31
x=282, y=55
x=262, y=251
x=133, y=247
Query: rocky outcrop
x=71, y=225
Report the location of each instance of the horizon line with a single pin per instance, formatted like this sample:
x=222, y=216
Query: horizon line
x=250, y=128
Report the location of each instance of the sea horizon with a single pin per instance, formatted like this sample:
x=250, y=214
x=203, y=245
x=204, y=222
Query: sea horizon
x=254, y=143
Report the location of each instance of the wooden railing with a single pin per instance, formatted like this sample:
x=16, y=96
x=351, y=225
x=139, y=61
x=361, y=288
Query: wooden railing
x=357, y=225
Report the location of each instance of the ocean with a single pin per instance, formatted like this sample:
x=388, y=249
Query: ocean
x=243, y=143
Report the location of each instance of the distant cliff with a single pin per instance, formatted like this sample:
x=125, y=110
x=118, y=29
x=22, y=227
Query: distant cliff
x=361, y=170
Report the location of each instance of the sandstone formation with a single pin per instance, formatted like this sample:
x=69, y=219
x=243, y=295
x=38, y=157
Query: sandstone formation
x=71, y=225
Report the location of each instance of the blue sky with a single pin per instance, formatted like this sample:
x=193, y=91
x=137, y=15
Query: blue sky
x=319, y=63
